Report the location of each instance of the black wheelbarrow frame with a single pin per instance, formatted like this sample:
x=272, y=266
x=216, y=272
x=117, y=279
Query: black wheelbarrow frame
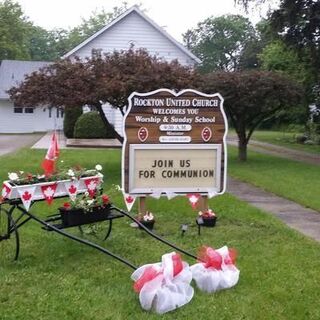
x=10, y=231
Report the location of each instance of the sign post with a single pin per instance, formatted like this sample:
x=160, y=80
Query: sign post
x=174, y=143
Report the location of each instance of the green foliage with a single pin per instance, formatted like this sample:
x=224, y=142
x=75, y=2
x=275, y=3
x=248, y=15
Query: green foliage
x=66, y=280
x=90, y=126
x=219, y=42
x=296, y=181
x=71, y=116
x=278, y=57
x=13, y=31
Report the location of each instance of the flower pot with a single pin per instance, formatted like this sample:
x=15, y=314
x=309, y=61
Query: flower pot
x=78, y=217
x=209, y=221
x=206, y=221
x=147, y=224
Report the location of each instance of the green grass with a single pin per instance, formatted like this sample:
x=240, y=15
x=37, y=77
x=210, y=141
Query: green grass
x=293, y=180
x=56, y=278
x=285, y=139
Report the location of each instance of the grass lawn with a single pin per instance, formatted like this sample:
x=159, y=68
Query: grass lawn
x=285, y=139
x=56, y=278
x=291, y=179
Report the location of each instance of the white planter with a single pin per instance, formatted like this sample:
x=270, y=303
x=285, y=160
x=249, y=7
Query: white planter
x=38, y=195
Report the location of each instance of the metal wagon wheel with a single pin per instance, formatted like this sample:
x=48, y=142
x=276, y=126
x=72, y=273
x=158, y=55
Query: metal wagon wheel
x=9, y=237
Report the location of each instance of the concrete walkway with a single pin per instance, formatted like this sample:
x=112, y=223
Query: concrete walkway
x=44, y=141
x=306, y=221
x=278, y=151
x=13, y=142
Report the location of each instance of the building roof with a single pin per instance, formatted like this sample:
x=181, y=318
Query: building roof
x=13, y=72
x=146, y=18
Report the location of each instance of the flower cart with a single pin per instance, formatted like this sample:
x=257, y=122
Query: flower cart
x=87, y=205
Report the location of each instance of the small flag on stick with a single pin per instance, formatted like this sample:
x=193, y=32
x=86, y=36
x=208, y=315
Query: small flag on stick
x=48, y=164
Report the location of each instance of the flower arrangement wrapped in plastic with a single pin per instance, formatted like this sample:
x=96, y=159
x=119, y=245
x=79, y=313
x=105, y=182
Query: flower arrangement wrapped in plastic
x=164, y=286
x=216, y=269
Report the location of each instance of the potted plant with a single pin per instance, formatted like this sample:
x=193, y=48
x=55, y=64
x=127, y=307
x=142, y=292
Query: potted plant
x=85, y=209
x=207, y=218
x=147, y=220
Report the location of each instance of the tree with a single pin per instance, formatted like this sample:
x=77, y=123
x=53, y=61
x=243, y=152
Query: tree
x=102, y=78
x=251, y=97
x=219, y=42
x=13, y=31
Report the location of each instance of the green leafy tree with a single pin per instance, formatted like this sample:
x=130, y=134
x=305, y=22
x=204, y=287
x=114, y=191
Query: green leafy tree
x=219, y=42
x=14, y=28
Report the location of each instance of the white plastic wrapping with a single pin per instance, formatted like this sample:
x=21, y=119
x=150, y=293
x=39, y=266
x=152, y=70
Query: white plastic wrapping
x=164, y=286
x=217, y=270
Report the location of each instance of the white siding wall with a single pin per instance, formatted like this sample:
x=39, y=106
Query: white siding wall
x=38, y=121
x=134, y=29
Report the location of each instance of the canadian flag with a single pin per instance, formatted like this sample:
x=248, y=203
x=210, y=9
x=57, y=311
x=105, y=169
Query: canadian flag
x=193, y=199
x=5, y=191
x=72, y=188
x=51, y=156
x=92, y=184
x=48, y=192
x=129, y=200
x=26, y=195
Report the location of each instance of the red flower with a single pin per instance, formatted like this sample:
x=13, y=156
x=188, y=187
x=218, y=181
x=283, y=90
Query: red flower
x=67, y=205
x=105, y=199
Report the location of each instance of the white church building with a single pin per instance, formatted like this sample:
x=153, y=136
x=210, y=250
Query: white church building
x=132, y=27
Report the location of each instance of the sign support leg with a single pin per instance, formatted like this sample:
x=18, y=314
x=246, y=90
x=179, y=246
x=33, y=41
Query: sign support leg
x=142, y=205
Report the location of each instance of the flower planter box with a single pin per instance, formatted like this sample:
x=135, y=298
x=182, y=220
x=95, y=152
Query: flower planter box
x=147, y=224
x=207, y=221
x=61, y=190
x=78, y=217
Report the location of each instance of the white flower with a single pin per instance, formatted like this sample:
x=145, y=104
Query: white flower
x=40, y=176
x=62, y=161
x=13, y=176
x=21, y=172
x=118, y=188
x=70, y=173
x=90, y=202
x=148, y=216
x=86, y=193
x=98, y=167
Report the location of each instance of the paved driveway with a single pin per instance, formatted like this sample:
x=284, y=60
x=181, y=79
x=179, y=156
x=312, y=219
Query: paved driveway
x=13, y=142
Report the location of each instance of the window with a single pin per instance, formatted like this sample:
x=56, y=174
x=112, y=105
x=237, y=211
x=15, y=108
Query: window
x=18, y=110
x=28, y=110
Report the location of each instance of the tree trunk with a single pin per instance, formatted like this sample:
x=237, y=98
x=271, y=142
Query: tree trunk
x=242, y=150
x=109, y=126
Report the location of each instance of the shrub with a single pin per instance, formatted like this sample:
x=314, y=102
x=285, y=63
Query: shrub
x=90, y=126
x=71, y=116
x=301, y=138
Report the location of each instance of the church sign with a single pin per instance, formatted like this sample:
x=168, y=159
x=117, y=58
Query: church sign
x=174, y=143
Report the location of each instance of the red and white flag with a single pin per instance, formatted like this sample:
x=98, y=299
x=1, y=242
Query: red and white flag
x=92, y=184
x=129, y=200
x=72, y=188
x=5, y=191
x=48, y=192
x=51, y=156
x=26, y=195
x=193, y=199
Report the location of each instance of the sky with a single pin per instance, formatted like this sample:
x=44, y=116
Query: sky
x=176, y=16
